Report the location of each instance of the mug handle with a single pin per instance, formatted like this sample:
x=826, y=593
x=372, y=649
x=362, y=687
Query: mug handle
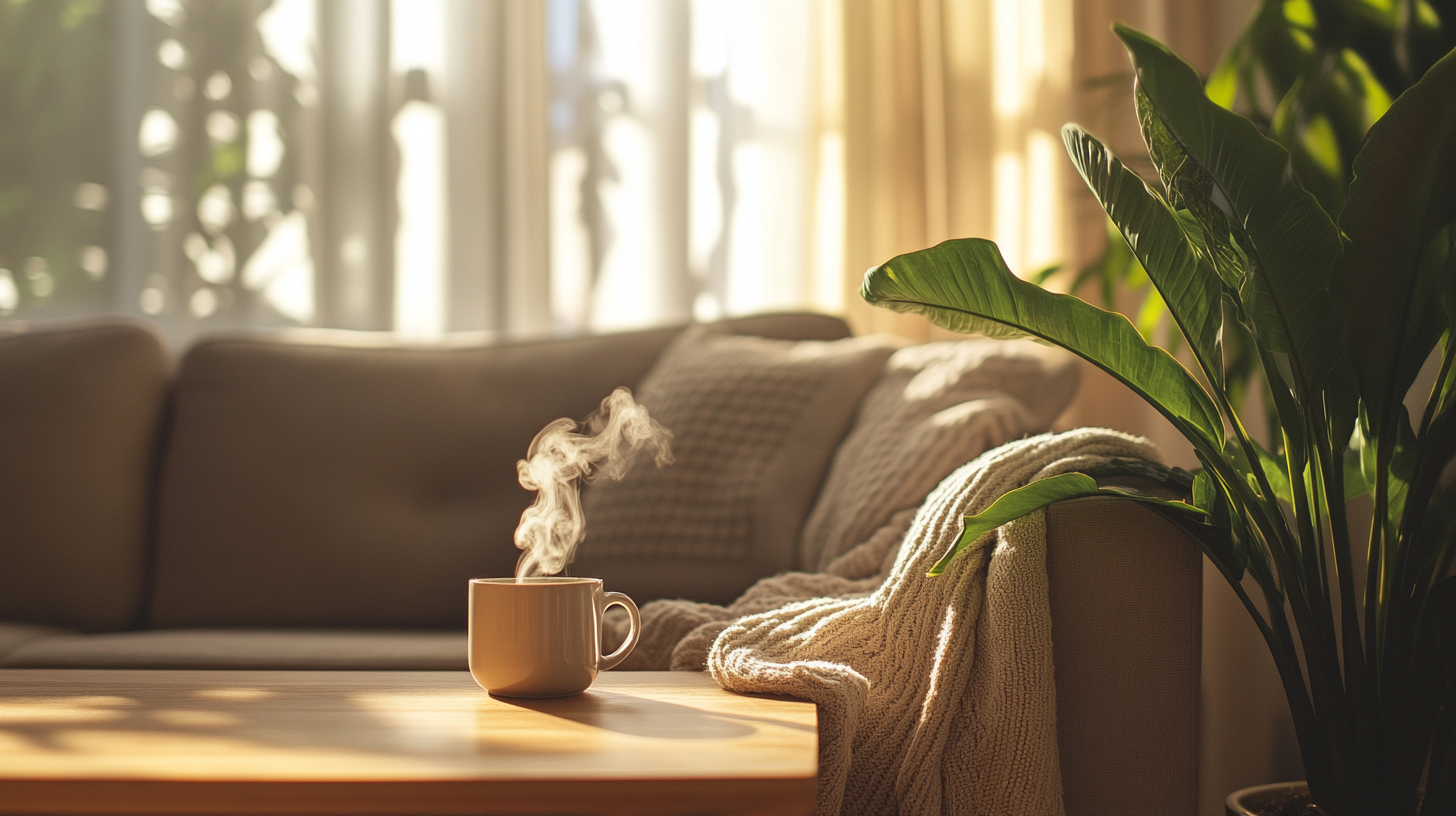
x=611, y=599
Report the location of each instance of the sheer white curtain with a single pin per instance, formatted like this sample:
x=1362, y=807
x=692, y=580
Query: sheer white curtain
x=431, y=166
x=430, y=156
x=685, y=152
x=715, y=157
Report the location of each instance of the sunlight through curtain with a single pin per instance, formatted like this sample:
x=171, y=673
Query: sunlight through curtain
x=691, y=175
x=426, y=167
x=953, y=109
x=557, y=166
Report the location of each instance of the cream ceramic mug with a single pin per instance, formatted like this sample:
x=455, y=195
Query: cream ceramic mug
x=542, y=637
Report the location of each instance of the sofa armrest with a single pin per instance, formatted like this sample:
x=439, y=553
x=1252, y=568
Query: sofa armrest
x=1126, y=593
x=81, y=404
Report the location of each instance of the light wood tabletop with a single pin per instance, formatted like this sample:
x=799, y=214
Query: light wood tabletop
x=320, y=742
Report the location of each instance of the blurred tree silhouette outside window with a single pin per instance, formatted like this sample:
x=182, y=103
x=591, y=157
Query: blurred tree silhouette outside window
x=419, y=167
x=55, y=156
x=210, y=166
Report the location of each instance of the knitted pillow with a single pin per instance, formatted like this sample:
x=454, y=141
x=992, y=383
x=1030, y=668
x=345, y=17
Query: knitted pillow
x=938, y=406
x=754, y=424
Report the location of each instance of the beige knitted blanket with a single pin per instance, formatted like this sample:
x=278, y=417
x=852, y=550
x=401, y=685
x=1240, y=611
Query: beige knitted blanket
x=935, y=695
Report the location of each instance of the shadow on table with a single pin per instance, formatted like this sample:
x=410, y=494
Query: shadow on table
x=626, y=714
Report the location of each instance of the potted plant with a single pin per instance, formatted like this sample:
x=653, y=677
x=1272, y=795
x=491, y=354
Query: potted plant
x=1312, y=75
x=1341, y=314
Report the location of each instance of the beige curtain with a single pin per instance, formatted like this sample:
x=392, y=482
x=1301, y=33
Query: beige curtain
x=951, y=109
x=951, y=114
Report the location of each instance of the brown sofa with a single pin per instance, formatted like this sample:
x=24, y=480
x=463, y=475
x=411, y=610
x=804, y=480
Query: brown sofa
x=311, y=500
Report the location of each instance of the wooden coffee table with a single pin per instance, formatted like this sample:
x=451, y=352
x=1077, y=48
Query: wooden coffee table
x=316, y=742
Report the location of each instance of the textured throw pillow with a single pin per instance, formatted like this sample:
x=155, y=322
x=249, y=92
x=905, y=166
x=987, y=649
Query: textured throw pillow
x=754, y=422
x=938, y=406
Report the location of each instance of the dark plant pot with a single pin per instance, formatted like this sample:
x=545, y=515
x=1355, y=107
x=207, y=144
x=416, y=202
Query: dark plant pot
x=1278, y=799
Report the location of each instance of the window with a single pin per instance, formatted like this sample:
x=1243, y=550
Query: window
x=421, y=167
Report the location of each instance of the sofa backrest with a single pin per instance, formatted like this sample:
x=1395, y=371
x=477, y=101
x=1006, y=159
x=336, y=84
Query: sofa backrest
x=315, y=485
x=80, y=405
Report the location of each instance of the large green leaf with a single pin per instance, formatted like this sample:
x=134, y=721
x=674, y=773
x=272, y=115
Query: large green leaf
x=1424, y=497
x=1240, y=181
x=964, y=285
x=1224, y=545
x=1403, y=195
x=1028, y=499
x=1189, y=287
x=1443, y=250
x=1392, y=461
x=1191, y=188
x=1276, y=472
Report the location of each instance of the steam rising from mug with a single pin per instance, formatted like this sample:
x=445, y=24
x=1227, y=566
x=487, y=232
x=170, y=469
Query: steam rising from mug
x=560, y=458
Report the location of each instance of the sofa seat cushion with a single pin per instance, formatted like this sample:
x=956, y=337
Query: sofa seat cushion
x=15, y=635
x=427, y=650
x=754, y=423
x=80, y=406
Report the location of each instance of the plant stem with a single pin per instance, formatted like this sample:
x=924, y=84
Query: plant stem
x=1428, y=470
x=1328, y=781
x=1434, y=399
x=1357, y=679
x=1272, y=530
